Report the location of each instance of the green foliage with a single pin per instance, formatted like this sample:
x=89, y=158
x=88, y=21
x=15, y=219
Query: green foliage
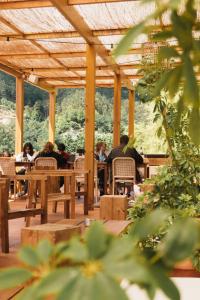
x=93, y=266
x=184, y=25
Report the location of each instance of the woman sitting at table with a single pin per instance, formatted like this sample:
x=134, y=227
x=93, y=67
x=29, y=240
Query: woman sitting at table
x=28, y=154
x=101, y=156
x=63, y=153
x=48, y=151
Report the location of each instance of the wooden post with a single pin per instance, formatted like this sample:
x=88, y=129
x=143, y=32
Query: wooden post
x=90, y=121
x=131, y=115
x=19, y=126
x=116, y=110
x=52, y=111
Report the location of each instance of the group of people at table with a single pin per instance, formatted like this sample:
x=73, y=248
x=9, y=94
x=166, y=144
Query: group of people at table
x=62, y=157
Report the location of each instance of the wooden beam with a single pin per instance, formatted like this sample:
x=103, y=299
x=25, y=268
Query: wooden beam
x=25, y=4
x=77, y=21
x=19, y=125
x=90, y=121
x=52, y=112
x=131, y=112
x=84, y=78
x=9, y=70
x=108, y=67
x=45, y=3
x=61, y=34
x=81, y=2
x=117, y=111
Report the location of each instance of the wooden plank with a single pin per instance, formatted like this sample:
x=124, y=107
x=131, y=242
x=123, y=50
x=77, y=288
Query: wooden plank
x=90, y=121
x=120, y=206
x=117, y=227
x=106, y=207
x=25, y=4
x=19, y=125
x=52, y=112
x=116, y=110
x=131, y=112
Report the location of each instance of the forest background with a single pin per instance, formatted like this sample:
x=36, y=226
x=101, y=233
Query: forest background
x=70, y=118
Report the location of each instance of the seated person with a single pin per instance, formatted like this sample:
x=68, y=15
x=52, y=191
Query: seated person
x=130, y=152
x=48, y=151
x=100, y=151
x=63, y=153
x=28, y=154
x=100, y=155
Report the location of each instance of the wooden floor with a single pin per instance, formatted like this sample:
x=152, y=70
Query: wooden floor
x=16, y=225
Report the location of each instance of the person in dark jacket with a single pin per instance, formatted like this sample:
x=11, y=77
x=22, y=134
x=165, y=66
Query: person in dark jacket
x=130, y=152
x=48, y=151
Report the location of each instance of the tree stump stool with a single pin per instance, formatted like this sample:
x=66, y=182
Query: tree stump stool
x=113, y=207
x=53, y=232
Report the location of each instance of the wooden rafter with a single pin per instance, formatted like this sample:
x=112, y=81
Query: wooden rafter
x=72, y=16
x=35, y=43
x=108, y=67
x=46, y=3
x=83, y=78
x=61, y=34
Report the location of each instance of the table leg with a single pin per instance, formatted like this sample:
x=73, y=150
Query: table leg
x=86, y=194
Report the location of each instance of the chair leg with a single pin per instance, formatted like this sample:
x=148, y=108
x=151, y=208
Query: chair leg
x=15, y=189
x=66, y=209
x=54, y=208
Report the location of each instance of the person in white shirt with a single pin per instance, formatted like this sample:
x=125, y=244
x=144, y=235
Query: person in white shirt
x=27, y=155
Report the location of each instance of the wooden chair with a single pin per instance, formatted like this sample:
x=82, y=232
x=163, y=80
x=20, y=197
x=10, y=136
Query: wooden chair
x=123, y=171
x=79, y=166
x=6, y=214
x=68, y=196
x=7, y=167
x=53, y=186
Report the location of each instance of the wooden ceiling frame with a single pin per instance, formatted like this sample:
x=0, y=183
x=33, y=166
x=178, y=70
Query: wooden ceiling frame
x=34, y=43
x=63, y=78
x=45, y=3
x=72, y=16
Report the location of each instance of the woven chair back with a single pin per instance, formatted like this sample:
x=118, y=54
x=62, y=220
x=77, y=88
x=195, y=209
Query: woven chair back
x=7, y=166
x=123, y=167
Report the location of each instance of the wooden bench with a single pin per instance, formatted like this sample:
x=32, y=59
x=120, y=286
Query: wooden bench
x=6, y=214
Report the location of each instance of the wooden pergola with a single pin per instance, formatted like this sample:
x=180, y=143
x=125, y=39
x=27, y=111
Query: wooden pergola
x=68, y=44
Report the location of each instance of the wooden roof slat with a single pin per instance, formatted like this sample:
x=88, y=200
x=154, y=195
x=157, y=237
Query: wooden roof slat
x=46, y=3
x=33, y=42
x=80, y=25
x=83, y=78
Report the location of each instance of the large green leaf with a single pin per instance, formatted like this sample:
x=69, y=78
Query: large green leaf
x=180, y=241
x=150, y=224
x=164, y=283
x=191, y=90
x=55, y=281
x=13, y=277
x=29, y=256
x=44, y=250
x=128, y=39
x=167, y=52
x=174, y=81
x=75, y=251
x=194, y=126
x=96, y=240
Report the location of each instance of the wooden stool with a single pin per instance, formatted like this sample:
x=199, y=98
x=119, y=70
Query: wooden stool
x=53, y=232
x=113, y=207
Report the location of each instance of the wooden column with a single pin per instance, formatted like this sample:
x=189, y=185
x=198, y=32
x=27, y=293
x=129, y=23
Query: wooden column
x=116, y=110
x=52, y=112
x=19, y=126
x=131, y=115
x=90, y=120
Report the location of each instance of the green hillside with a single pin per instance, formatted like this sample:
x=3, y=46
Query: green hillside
x=70, y=118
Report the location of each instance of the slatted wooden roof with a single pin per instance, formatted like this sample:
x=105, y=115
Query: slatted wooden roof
x=48, y=39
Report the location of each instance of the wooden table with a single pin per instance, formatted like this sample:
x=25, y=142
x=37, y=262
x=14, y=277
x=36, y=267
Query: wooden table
x=144, y=166
x=112, y=226
x=27, y=164
x=104, y=165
